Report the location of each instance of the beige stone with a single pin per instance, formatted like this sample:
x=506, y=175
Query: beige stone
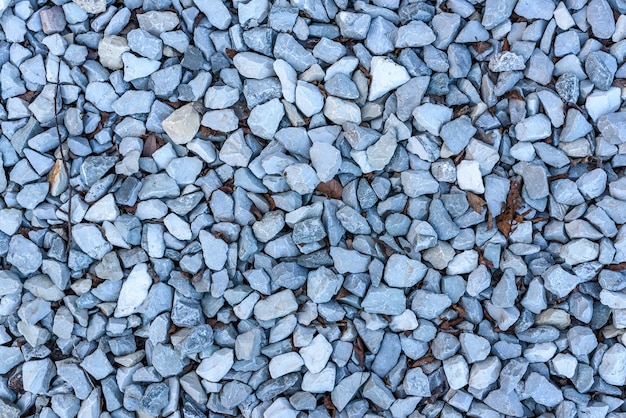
x=92, y=6
x=183, y=124
x=110, y=50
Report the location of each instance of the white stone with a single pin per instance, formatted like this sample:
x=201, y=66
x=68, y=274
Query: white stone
x=216, y=12
x=280, y=408
x=579, y=251
x=406, y=321
x=104, y=209
x=301, y=178
x=533, y=128
x=214, y=249
x=326, y=160
x=265, y=118
x=431, y=117
x=380, y=153
x=89, y=238
x=110, y=51
x=177, y=227
x=235, y=152
x=316, y=354
x=402, y=271
x=284, y=364
x=223, y=120
x=252, y=13
x=309, y=99
x=253, y=65
x=288, y=78
x=386, y=76
x=10, y=220
x=469, y=177
x=613, y=366
x=456, y=371
x=565, y=365
x=601, y=102
x=614, y=300
x=134, y=291
x=276, y=306
x=182, y=125
x=415, y=34
x=215, y=367
x=138, y=67
x=341, y=111
x=321, y=382
x=562, y=17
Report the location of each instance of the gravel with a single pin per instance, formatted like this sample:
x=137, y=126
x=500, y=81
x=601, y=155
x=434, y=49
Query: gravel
x=312, y=208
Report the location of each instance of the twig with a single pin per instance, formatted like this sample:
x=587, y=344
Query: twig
x=64, y=160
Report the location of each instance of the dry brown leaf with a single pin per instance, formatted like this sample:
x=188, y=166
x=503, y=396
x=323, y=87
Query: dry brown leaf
x=616, y=267
x=505, y=45
x=359, y=350
x=149, y=145
x=476, y=202
x=331, y=189
x=481, y=47
x=270, y=200
x=507, y=218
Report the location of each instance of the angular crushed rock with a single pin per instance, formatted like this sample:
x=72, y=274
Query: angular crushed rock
x=312, y=208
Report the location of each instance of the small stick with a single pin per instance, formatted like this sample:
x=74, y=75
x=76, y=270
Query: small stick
x=64, y=160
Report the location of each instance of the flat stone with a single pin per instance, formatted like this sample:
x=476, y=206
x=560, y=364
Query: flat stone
x=579, y=251
x=52, y=20
x=542, y=390
x=97, y=365
x=326, y=160
x=457, y=134
x=341, y=111
x=309, y=99
x=276, y=305
x=384, y=300
x=284, y=364
x=110, y=51
x=92, y=6
x=456, y=372
x=216, y=11
x=431, y=117
x=214, y=250
x=301, y=178
x=533, y=128
x=134, y=291
x=138, y=67
x=36, y=376
x=415, y=34
x=613, y=366
x=401, y=271
x=600, y=18
x=601, y=102
x=506, y=61
x=612, y=127
x=264, y=119
x=182, y=125
x=429, y=305
x=316, y=354
x=24, y=255
x=535, y=9
x=600, y=68
x=474, y=347
x=505, y=402
x=345, y=390
x=322, y=285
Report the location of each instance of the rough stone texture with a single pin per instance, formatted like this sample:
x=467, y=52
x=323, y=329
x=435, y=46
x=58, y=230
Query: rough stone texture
x=312, y=208
x=182, y=124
